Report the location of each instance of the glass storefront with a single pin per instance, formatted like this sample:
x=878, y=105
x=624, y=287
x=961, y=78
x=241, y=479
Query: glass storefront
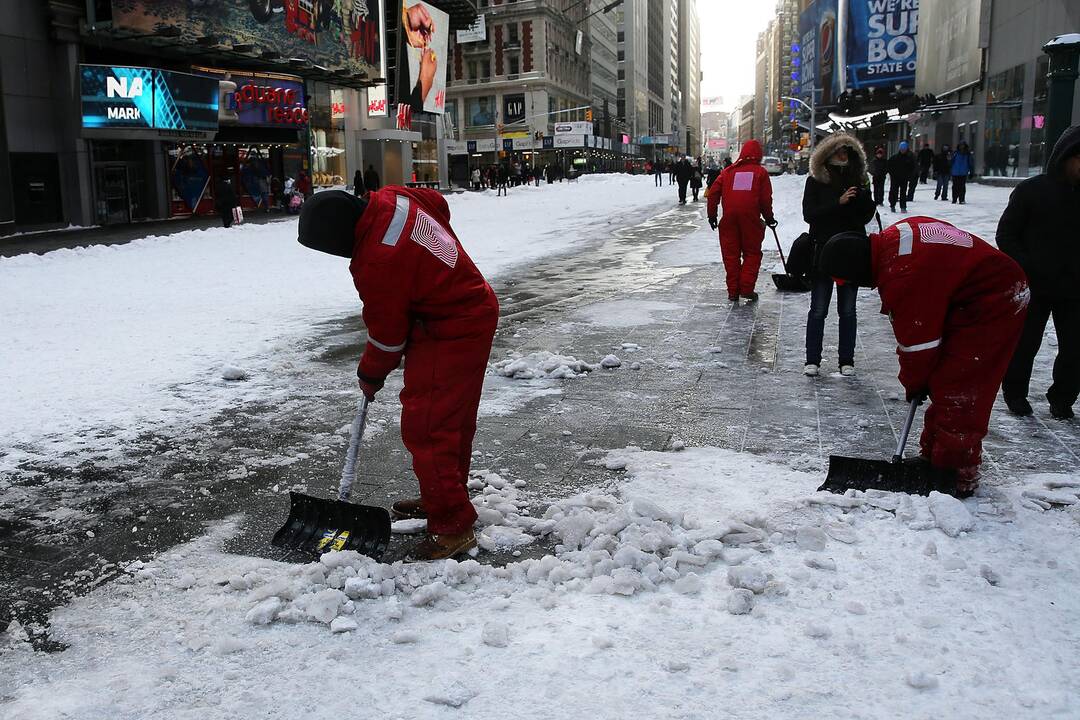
x=425, y=164
x=327, y=108
x=121, y=193
x=1038, y=153
x=1004, y=100
x=258, y=174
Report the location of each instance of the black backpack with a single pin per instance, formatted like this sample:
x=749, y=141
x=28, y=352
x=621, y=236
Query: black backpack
x=800, y=259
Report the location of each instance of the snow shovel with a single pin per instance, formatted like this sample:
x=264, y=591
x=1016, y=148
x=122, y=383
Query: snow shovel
x=914, y=476
x=316, y=525
x=787, y=282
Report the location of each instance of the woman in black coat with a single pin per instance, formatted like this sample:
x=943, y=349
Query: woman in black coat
x=836, y=199
x=225, y=201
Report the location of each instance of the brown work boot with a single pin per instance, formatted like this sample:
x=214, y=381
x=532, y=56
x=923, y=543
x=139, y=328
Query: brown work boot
x=410, y=509
x=440, y=547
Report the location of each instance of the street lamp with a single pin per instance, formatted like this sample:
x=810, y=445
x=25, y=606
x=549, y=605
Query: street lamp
x=1064, y=52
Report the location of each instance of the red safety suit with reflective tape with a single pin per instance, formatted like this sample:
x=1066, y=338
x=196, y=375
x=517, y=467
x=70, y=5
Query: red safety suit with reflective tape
x=745, y=191
x=424, y=299
x=957, y=306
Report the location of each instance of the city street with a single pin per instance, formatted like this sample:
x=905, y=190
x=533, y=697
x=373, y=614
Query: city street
x=162, y=397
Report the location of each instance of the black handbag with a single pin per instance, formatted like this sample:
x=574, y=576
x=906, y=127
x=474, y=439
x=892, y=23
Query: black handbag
x=800, y=259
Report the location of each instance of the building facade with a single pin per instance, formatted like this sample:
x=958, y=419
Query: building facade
x=690, y=76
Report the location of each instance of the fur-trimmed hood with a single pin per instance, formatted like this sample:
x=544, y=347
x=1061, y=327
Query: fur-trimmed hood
x=828, y=146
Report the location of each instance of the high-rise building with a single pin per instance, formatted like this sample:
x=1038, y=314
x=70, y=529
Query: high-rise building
x=603, y=82
x=690, y=75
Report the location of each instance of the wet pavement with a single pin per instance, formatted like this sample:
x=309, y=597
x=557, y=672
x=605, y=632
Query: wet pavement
x=696, y=369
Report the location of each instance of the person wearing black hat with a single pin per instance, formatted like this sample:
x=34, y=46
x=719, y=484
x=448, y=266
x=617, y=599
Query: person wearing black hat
x=957, y=306
x=424, y=301
x=1039, y=230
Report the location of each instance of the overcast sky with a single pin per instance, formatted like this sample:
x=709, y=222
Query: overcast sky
x=729, y=31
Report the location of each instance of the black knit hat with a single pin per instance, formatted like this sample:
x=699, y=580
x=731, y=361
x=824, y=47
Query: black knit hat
x=846, y=257
x=328, y=222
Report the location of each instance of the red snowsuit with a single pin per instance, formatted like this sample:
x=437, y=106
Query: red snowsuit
x=425, y=299
x=957, y=306
x=746, y=193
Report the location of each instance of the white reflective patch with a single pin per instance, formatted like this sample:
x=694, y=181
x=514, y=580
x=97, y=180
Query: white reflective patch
x=921, y=346
x=907, y=239
x=397, y=223
x=386, y=348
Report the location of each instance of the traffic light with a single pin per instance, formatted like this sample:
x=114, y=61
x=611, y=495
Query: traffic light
x=588, y=115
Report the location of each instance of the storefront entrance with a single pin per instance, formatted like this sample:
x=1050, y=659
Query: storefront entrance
x=121, y=193
x=35, y=181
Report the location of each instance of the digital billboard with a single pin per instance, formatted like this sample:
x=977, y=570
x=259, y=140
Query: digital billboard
x=880, y=43
x=422, y=56
x=326, y=32
x=254, y=99
x=118, y=98
x=950, y=46
x=819, y=51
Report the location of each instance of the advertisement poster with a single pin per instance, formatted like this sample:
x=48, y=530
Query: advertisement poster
x=422, y=56
x=324, y=31
x=477, y=32
x=513, y=109
x=950, y=54
x=880, y=43
x=259, y=99
x=819, y=51
x=115, y=97
x=479, y=111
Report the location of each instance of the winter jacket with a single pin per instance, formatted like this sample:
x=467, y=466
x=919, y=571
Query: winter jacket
x=413, y=275
x=683, y=171
x=933, y=277
x=943, y=163
x=879, y=167
x=225, y=197
x=962, y=164
x=826, y=184
x=371, y=180
x=926, y=158
x=1040, y=228
x=902, y=166
x=744, y=188
x=695, y=179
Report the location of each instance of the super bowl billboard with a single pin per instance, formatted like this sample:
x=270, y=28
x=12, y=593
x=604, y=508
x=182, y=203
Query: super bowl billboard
x=819, y=51
x=880, y=43
x=327, y=32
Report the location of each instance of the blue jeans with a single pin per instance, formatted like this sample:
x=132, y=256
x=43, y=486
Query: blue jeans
x=942, y=186
x=820, y=298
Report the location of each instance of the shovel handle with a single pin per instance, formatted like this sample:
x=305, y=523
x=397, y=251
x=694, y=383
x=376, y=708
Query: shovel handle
x=907, y=429
x=877, y=216
x=348, y=474
x=783, y=260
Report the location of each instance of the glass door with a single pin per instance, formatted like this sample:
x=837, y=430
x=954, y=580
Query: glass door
x=113, y=203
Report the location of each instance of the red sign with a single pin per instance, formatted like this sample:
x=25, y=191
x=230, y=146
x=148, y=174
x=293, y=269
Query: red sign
x=377, y=106
x=285, y=105
x=337, y=110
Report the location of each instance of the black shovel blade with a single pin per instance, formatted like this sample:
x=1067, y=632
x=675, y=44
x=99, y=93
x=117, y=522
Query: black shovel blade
x=790, y=283
x=914, y=476
x=316, y=525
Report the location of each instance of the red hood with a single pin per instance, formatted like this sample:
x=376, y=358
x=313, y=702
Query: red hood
x=751, y=153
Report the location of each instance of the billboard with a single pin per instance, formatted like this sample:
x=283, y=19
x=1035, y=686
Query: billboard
x=950, y=47
x=513, y=109
x=118, y=97
x=479, y=111
x=574, y=128
x=254, y=99
x=327, y=33
x=819, y=51
x=880, y=43
x=477, y=32
x=422, y=56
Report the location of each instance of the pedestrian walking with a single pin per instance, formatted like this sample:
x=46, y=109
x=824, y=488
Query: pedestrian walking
x=1039, y=231
x=671, y=173
x=957, y=306
x=943, y=172
x=901, y=170
x=225, y=201
x=371, y=179
x=475, y=178
x=683, y=172
x=358, y=183
x=963, y=165
x=836, y=199
x=658, y=171
x=695, y=182
x=303, y=185
x=926, y=162
x=879, y=170
x=424, y=301
x=504, y=181
x=745, y=190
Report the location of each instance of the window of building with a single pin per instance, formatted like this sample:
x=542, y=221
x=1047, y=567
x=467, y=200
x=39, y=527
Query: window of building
x=480, y=111
x=515, y=66
x=622, y=74
x=1037, y=154
x=485, y=68
x=512, y=34
x=622, y=56
x=472, y=69
x=1001, y=136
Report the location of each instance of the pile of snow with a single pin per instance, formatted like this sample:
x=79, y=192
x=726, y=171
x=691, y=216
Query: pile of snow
x=542, y=364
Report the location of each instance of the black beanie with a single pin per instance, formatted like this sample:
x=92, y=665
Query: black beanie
x=328, y=222
x=846, y=256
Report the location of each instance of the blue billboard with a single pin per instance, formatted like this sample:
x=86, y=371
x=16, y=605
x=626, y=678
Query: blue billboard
x=880, y=43
x=147, y=99
x=818, y=52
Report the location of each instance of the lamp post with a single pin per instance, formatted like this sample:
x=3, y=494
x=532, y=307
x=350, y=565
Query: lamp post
x=1064, y=52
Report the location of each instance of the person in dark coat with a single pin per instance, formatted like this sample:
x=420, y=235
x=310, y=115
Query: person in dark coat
x=371, y=179
x=358, y=183
x=926, y=161
x=879, y=170
x=225, y=201
x=683, y=172
x=695, y=181
x=901, y=170
x=943, y=172
x=836, y=199
x=1039, y=230
x=963, y=166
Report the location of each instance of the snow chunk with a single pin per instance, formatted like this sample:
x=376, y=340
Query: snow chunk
x=921, y=680
x=950, y=515
x=812, y=539
x=185, y=581
x=453, y=695
x=688, y=585
x=265, y=612
x=502, y=537
x=411, y=526
x=429, y=594
x=231, y=372
x=542, y=365
x=495, y=634
x=747, y=577
x=610, y=361
x=343, y=624
x=740, y=601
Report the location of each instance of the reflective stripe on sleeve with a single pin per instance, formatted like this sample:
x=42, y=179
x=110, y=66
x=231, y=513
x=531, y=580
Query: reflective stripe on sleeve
x=386, y=348
x=921, y=346
x=397, y=223
x=907, y=239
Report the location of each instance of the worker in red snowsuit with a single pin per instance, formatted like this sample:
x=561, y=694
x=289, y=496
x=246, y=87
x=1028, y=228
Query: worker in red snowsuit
x=746, y=193
x=957, y=306
x=424, y=300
